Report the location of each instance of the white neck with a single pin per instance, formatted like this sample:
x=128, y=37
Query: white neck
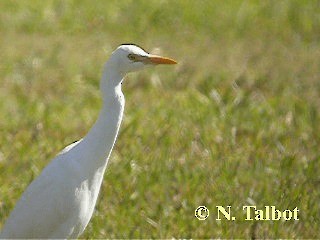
x=96, y=146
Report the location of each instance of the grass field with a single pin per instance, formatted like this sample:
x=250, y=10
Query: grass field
x=236, y=122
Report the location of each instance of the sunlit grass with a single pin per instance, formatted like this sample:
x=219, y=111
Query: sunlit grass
x=235, y=123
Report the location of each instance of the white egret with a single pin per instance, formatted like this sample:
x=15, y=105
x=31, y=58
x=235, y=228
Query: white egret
x=60, y=202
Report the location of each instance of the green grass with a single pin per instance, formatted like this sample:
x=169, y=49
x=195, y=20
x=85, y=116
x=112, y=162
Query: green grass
x=235, y=123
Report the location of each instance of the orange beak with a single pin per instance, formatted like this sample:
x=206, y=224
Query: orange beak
x=160, y=60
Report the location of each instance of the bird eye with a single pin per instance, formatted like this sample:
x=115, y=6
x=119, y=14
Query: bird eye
x=132, y=57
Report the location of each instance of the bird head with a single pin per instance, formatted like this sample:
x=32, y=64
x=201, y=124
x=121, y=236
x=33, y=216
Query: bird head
x=130, y=58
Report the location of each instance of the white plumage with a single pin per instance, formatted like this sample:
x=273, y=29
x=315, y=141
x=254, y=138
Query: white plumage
x=60, y=202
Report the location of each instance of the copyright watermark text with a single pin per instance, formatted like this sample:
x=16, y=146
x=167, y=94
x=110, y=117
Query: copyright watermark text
x=202, y=213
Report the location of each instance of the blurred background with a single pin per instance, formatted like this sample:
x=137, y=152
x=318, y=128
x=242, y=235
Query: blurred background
x=236, y=122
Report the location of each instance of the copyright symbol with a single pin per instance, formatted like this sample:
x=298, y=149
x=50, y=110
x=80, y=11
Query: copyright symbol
x=201, y=213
